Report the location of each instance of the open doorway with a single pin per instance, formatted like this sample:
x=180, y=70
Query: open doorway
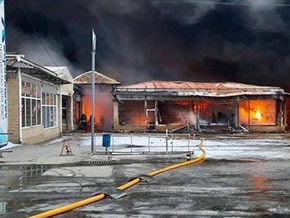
x=65, y=113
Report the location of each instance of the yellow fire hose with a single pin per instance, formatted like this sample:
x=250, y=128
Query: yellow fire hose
x=125, y=186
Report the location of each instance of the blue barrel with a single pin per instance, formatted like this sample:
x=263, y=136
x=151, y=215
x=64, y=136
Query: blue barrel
x=106, y=140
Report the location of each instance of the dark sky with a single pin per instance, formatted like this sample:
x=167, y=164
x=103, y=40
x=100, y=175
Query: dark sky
x=199, y=40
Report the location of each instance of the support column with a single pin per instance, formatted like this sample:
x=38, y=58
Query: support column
x=115, y=114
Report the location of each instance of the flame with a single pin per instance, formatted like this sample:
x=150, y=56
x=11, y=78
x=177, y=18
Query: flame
x=103, y=113
x=258, y=114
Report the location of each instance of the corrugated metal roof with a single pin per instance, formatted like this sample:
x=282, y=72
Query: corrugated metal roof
x=187, y=88
x=18, y=61
x=62, y=72
x=12, y=62
x=87, y=77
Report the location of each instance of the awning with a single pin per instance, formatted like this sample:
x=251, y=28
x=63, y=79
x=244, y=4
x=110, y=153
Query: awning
x=18, y=61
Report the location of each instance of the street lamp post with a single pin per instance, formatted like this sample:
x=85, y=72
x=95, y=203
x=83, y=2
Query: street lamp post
x=93, y=93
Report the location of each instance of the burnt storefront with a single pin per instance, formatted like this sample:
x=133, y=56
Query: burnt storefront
x=103, y=111
x=201, y=107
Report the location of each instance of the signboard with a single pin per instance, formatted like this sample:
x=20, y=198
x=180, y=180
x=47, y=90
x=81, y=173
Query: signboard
x=3, y=87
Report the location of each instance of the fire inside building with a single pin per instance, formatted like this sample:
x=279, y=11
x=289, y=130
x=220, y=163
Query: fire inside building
x=103, y=111
x=200, y=107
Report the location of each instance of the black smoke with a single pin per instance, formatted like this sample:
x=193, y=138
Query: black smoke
x=137, y=40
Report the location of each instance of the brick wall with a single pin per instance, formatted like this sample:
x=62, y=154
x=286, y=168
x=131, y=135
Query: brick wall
x=37, y=134
x=13, y=107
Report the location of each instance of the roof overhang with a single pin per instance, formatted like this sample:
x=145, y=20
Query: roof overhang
x=166, y=90
x=87, y=78
x=15, y=62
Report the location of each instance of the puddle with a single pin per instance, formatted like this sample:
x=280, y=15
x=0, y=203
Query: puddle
x=223, y=187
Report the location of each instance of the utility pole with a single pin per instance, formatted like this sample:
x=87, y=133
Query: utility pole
x=93, y=93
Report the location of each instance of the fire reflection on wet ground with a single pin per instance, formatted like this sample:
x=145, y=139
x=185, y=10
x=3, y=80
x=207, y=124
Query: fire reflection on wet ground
x=260, y=187
x=214, y=188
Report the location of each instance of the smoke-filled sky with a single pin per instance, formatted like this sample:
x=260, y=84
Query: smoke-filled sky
x=138, y=40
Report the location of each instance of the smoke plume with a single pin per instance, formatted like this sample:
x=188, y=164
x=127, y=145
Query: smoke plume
x=210, y=40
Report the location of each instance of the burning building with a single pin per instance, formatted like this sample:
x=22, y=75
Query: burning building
x=103, y=99
x=202, y=107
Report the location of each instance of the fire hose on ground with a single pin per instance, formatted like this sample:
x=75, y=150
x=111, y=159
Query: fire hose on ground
x=132, y=182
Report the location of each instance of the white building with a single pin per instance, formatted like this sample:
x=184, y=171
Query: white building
x=35, y=100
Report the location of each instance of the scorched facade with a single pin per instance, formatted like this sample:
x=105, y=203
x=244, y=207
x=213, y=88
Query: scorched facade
x=200, y=107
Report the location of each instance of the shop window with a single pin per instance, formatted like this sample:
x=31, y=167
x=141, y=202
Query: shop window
x=28, y=112
x=257, y=112
x=49, y=116
x=132, y=112
x=30, y=104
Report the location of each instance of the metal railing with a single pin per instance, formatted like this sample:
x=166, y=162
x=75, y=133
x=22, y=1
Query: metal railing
x=148, y=143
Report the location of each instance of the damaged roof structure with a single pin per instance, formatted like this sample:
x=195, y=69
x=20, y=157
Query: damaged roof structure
x=202, y=107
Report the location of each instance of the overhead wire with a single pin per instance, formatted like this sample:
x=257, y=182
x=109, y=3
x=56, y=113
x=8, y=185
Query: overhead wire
x=36, y=31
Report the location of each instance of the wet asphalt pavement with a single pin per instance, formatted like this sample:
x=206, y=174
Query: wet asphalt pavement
x=245, y=187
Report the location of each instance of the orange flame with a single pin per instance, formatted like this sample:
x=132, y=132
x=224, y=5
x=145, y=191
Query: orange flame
x=258, y=114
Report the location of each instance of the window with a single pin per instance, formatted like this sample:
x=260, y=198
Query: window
x=76, y=107
x=257, y=112
x=76, y=111
x=30, y=104
x=49, y=117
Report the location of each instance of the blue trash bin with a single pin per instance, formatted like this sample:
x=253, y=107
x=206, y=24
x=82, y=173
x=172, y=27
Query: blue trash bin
x=106, y=140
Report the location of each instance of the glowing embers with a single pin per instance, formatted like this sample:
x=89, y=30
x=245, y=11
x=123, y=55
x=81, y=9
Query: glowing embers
x=257, y=112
